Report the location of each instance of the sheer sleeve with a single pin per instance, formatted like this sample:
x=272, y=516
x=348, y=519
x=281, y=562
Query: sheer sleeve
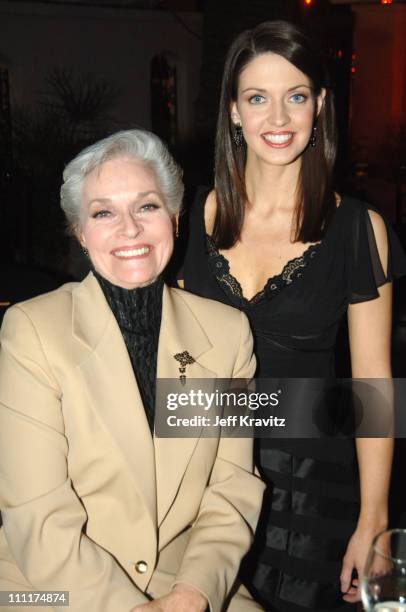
x=364, y=267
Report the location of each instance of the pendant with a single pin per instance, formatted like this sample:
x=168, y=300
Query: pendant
x=184, y=359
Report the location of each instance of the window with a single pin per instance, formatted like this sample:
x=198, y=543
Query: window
x=164, y=98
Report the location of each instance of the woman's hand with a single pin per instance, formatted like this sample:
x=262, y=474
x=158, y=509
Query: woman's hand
x=183, y=598
x=355, y=558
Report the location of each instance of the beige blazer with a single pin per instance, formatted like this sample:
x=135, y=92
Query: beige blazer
x=91, y=502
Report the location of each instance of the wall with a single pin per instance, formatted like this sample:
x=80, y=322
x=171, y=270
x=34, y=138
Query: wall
x=379, y=84
x=116, y=44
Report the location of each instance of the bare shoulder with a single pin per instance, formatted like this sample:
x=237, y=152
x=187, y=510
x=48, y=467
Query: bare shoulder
x=378, y=225
x=210, y=208
x=381, y=237
x=357, y=209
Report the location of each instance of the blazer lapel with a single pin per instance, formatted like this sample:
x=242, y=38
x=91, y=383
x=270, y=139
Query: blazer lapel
x=112, y=386
x=180, y=332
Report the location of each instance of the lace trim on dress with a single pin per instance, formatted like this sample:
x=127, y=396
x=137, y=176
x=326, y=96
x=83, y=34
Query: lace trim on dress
x=291, y=271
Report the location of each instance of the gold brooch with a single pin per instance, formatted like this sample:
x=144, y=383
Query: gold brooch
x=184, y=359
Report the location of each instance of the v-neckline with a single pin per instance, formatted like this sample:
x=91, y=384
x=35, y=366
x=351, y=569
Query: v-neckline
x=310, y=251
x=274, y=284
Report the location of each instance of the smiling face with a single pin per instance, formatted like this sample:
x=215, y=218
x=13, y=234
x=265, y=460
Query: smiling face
x=126, y=226
x=276, y=108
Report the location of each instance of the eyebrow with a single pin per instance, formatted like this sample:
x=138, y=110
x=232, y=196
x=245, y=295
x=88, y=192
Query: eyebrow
x=140, y=195
x=261, y=90
x=299, y=86
x=254, y=89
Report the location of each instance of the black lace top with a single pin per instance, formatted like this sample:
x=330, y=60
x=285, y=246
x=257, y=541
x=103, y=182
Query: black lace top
x=292, y=270
x=297, y=313
x=138, y=314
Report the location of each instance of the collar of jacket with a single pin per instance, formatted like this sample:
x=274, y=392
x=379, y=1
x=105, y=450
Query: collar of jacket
x=157, y=465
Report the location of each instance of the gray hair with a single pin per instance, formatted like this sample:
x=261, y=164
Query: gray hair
x=140, y=145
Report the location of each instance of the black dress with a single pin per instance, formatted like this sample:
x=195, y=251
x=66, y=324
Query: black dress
x=312, y=500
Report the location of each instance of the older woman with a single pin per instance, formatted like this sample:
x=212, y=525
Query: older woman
x=92, y=502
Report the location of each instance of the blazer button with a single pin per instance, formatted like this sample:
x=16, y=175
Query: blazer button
x=141, y=567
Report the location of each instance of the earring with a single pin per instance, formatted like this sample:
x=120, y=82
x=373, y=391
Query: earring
x=85, y=252
x=313, y=137
x=238, y=137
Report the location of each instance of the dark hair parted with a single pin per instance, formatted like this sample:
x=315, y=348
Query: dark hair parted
x=315, y=194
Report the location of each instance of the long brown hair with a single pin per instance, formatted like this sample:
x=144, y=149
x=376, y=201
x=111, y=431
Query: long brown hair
x=315, y=195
